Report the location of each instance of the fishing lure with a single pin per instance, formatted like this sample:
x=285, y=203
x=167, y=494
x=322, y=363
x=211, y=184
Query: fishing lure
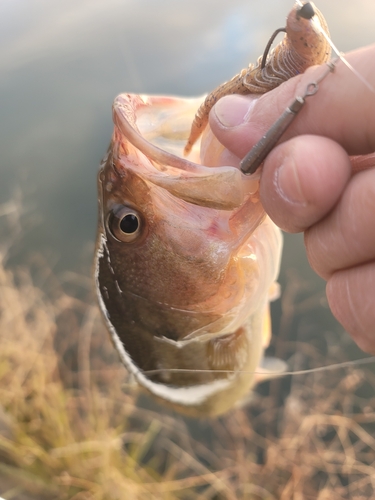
x=255, y=157
x=303, y=46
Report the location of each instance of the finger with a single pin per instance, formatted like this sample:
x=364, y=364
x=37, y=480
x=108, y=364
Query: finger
x=302, y=179
x=342, y=109
x=348, y=231
x=350, y=296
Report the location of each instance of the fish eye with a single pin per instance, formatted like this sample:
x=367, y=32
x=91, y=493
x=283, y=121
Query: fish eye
x=125, y=224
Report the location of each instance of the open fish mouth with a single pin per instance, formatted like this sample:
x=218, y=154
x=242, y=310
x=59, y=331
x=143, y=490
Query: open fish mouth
x=216, y=254
x=159, y=127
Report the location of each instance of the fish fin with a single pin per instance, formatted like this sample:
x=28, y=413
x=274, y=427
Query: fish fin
x=273, y=294
x=270, y=368
x=250, y=398
x=266, y=328
x=274, y=291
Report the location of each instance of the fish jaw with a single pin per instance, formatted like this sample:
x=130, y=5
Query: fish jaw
x=197, y=274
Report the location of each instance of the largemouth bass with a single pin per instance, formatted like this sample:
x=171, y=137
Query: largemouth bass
x=186, y=259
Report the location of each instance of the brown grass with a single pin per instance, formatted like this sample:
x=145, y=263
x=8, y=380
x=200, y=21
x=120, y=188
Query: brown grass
x=72, y=426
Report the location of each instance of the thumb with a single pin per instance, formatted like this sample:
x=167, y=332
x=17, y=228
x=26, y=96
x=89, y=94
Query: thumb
x=342, y=109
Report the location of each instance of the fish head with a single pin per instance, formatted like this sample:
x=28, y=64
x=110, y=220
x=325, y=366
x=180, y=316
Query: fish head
x=161, y=248
x=178, y=269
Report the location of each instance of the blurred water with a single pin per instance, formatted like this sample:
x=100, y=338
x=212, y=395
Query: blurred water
x=63, y=62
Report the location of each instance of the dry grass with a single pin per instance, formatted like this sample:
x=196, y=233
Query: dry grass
x=72, y=427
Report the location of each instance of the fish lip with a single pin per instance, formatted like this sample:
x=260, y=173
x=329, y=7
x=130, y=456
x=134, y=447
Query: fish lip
x=171, y=171
x=124, y=116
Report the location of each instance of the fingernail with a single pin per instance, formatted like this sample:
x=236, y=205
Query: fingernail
x=232, y=110
x=288, y=182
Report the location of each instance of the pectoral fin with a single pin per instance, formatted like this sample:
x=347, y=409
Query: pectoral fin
x=270, y=368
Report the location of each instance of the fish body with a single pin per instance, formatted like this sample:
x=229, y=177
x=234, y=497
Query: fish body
x=183, y=270
x=185, y=256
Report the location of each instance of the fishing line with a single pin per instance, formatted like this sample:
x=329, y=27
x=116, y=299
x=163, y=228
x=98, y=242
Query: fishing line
x=318, y=27
x=340, y=55
x=259, y=152
x=335, y=366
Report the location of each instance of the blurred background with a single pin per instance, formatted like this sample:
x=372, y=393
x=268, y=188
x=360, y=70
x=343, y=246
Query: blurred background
x=62, y=63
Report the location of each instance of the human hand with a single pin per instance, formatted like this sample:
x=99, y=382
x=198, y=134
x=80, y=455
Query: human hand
x=308, y=182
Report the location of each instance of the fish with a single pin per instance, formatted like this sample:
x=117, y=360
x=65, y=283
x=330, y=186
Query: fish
x=186, y=260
